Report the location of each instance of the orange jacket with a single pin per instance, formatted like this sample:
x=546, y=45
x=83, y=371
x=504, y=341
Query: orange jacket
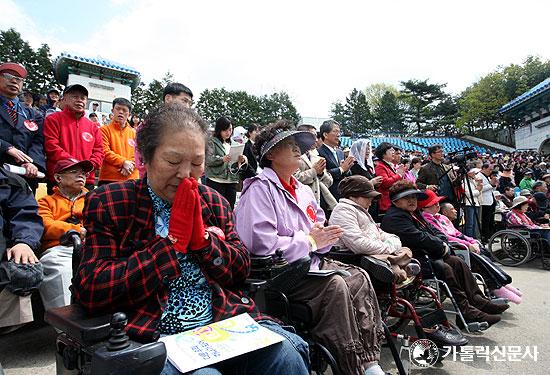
x=54, y=210
x=119, y=145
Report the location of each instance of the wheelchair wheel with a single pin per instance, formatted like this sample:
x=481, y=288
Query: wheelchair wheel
x=510, y=248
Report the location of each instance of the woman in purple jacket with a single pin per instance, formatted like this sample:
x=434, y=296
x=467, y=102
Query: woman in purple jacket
x=276, y=211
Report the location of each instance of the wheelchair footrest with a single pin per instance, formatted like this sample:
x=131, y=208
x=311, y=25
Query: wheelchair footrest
x=431, y=318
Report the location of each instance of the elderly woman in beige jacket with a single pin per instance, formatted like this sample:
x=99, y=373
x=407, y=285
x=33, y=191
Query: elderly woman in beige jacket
x=313, y=173
x=361, y=234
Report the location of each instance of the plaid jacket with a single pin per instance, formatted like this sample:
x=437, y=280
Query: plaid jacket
x=126, y=267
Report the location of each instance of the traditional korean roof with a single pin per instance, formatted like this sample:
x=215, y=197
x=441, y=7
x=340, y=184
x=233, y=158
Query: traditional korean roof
x=533, y=92
x=104, y=69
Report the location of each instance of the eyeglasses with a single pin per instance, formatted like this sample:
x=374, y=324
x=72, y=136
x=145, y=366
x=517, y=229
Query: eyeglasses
x=11, y=77
x=76, y=172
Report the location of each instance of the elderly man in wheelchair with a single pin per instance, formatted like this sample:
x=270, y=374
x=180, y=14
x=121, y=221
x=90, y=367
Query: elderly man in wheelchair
x=496, y=282
x=522, y=240
x=431, y=247
x=164, y=251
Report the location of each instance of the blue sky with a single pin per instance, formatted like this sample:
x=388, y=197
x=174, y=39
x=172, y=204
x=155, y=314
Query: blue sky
x=73, y=21
x=316, y=51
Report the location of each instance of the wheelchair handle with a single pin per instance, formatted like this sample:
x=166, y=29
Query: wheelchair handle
x=71, y=238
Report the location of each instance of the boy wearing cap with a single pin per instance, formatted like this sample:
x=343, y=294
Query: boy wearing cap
x=21, y=128
x=119, y=140
x=70, y=135
x=20, y=231
x=61, y=212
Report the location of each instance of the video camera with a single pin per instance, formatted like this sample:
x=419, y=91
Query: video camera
x=460, y=157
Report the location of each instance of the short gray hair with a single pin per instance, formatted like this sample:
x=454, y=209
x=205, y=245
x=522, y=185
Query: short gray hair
x=167, y=117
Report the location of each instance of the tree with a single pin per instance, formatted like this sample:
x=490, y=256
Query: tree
x=445, y=114
x=358, y=111
x=479, y=103
x=147, y=97
x=376, y=91
x=388, y=115
x=338, y=112
x=354, y=116
x=422, y=98
x=38, y=63
x=244, y=108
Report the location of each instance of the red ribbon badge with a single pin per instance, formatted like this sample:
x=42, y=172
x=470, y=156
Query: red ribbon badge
x=31, y=125
x=310, y=211
x=87, y=137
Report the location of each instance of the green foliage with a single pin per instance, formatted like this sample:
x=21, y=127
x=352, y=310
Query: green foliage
x=147, y=97
x=38, y=63
x=376, y=91
x=422, y=99
x=355, y=115
x=479, y=103
x=244, y=108
x=388, y=114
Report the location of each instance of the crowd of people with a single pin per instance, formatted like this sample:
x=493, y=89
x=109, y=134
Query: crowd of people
x=169, y=218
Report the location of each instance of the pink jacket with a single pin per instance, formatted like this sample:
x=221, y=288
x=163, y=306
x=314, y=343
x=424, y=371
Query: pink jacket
x=268, y=218
x=444, y=225
x=519, y=219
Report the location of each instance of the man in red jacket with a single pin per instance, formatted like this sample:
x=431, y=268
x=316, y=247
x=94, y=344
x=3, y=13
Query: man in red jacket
x=70, y=135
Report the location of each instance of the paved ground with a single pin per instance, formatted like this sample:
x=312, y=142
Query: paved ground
x=31, y=350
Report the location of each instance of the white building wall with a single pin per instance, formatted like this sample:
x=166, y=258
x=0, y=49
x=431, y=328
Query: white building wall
x=533, y=135
x=100, y=91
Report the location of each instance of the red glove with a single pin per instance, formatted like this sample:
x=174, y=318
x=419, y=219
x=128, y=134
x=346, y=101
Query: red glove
x=199, y=238
x=181, y=218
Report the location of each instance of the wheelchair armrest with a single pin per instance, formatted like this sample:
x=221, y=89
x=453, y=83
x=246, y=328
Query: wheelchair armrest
x=457, y=245
x=289, y=275
x=347, y=257
x=74, y=321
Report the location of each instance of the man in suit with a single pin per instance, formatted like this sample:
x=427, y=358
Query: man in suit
x=21, y=128
x=337, y=165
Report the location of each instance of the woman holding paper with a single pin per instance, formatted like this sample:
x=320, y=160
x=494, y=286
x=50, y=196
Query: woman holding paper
x=164, y=249
x=277, y=212
x=219, y=174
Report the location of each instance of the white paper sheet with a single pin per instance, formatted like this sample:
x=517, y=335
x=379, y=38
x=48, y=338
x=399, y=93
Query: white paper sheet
x=236, y=150
x=217, y=342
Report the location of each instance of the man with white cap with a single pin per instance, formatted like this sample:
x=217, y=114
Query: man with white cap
x=21, y=132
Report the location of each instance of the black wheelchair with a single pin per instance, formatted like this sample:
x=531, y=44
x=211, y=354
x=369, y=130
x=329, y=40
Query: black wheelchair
x=297, y=314
x=515, y=246
x=97, y=344
x=402, y=304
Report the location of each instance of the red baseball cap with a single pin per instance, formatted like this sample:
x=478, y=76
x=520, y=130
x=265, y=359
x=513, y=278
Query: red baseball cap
x=65, y=164
x=431, y=199
x=15, y=67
